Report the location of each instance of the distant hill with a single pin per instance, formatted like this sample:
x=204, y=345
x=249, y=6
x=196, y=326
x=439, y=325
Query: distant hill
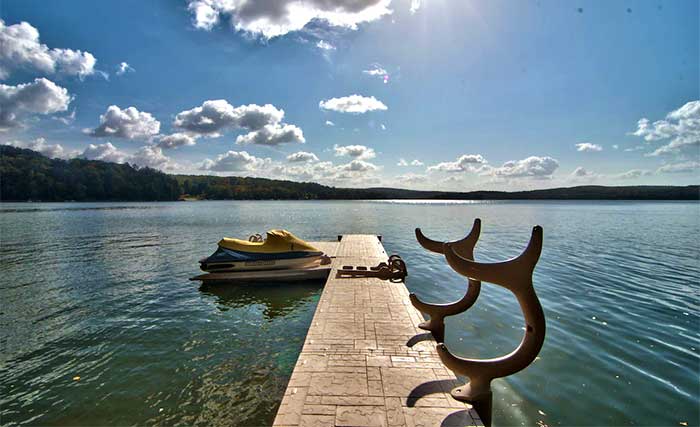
x=28, y=175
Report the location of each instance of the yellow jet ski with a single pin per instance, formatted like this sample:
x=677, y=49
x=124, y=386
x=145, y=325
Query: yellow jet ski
x=280, y=250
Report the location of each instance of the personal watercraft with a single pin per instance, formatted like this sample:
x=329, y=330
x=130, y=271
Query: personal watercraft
x=279, y=250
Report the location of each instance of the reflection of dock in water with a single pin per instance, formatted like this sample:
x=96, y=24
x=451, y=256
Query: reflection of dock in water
x=278, y=299
x=356, y=368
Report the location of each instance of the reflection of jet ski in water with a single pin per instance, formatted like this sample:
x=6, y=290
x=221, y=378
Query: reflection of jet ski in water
x=280, y=250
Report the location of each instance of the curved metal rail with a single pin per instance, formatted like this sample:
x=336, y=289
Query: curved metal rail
x=438, y=312
x=516, y=276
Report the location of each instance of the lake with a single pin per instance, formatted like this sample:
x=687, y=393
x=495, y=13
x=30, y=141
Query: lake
x=101, y=326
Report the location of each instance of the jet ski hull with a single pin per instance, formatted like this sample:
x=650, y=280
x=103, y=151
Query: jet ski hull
x=277, y=264
x=226, y=260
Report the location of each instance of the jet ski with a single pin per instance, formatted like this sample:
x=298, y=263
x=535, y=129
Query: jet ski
x=279, y=250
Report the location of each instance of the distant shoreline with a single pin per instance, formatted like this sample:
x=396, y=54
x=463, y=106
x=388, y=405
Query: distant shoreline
x=437, y=201
x=26, y=175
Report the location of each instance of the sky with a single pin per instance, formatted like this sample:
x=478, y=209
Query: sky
x=422, y=94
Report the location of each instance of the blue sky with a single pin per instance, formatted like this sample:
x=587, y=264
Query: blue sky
x=470, y=94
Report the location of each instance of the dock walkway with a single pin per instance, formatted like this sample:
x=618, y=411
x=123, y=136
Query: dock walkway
x=356, y=369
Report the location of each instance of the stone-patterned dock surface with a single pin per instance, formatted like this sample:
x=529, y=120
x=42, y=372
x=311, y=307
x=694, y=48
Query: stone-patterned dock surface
x=356, y=369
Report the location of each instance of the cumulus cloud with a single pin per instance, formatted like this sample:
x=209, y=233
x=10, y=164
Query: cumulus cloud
x=270, y=19
x=273, y=134
x=581, y=174
x=531, y=167
x=105, y=152
x=54, y=151
x=359, y=152
x=681, y=128
x=682, y=167
x=234, y=161
x=358, y=166
x=587, y=146
x=403, y=162
x=415, y=5
x=67, y=119
x=129, y=123
x=20, y=48
x=302, y=156
x=42, y=96
x=151, y=156
x=147, y=156
x=329, y=123
x=465, y=163
x=264, y=122
x=124, y=68
x=177, y=139
x=632, y=174
x=354, y=104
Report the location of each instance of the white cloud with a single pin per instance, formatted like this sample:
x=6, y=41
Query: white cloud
x=20, y=48
x=354, y=104
x=683, y=167
x=66, y=120
x=151, y=156
x=403, y=162
x=42, y=96
x=129, y=123
x=105, y=152
x=358, y=166
x=415, y=5
x=54, y=151
x=581, y=174
x=359, y=152
x=270, y=19
x=411, y=178
x=302, y=156
x=234, y=161
x=177, y=139
x=465, y=163
x=377, y=71
x=329, y=123
x=615, y=146
x=264, y=123
x=382, y=126
x=587, y=146
x=632, y=174
x=681, y=128
x=531, y=167
x=273, y=134
x=324, y=45
x=124, y=68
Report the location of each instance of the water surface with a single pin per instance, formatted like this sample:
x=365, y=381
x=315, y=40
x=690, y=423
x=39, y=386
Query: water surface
x=100, y=291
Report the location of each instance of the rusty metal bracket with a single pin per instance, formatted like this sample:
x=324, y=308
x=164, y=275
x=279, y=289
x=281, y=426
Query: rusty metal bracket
x=516, y=276
x=438, y=312
x=394, y=270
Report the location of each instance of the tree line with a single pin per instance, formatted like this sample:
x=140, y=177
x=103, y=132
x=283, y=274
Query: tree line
x=28, y=175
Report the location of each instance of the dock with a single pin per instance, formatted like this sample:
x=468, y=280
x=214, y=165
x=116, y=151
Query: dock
x=364, y=361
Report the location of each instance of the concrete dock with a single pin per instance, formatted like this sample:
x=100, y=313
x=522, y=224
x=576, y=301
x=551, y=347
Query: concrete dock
x=356, y=368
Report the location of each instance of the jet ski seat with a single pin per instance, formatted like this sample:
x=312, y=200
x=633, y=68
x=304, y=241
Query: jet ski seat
x=277, y=241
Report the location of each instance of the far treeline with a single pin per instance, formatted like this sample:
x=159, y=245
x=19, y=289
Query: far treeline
x=28, y=175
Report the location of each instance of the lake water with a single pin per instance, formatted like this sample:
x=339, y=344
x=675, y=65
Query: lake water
x=100, y=291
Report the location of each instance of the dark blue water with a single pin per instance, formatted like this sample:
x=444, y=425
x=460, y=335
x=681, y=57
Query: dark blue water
x=101, y=292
